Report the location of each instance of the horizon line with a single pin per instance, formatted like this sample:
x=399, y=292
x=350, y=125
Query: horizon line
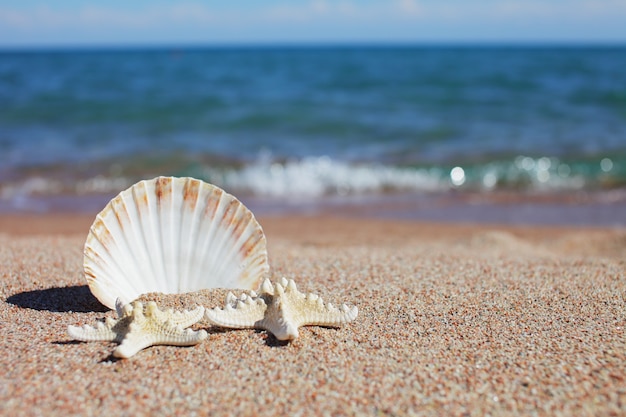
x=316, y=44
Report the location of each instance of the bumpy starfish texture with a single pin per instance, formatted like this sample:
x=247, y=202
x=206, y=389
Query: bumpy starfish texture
x=138, y=328
x=280, y=309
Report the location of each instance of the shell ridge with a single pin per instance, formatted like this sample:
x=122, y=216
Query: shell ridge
x=257, y=265
x=226, y=260
x=230, y=214
x=130, y=268
x=94, y=265
x=151, y=231
x=245, y=243
x=176, y=224
x=215, y=239
x=179, y=248
x=185, y=242
x=218, y=237
x=191, y=265
x=152, y=213
x=141, y=230
x=160, y=216
x=199, y=237
x=114, y=255
x=94, y=258
x=206, y=237
x=102, y=292
x=140, y=253
x=186, y=224
x=235, y=256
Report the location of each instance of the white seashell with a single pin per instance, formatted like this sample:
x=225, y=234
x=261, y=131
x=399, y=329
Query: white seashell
x=173, y=235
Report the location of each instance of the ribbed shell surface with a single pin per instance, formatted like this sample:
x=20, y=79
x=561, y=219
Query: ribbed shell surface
x=173, y=235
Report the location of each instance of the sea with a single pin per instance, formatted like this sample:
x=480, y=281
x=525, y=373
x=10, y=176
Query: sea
x=501, y=134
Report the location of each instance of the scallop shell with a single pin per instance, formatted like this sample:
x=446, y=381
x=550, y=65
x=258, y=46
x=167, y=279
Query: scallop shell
x=173, y=235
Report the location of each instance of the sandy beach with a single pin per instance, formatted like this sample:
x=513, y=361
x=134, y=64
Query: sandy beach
x=454, y=319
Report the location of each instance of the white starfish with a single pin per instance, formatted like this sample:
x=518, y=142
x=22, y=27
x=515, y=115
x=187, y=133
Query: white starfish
x=280, y=309
x=136, y=328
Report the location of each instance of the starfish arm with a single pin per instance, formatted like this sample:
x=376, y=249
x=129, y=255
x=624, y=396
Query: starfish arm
x=245, y=313
x=101, y=332
x=311, y=311
x=167, y=334
x=184, y=319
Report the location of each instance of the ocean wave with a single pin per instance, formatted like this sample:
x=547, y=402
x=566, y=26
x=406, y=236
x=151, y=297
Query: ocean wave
x=319, y=176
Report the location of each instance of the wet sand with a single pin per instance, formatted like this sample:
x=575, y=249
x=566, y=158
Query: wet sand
x=454, y=319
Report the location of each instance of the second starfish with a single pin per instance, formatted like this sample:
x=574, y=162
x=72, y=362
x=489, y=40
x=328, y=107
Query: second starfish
x=280, y=309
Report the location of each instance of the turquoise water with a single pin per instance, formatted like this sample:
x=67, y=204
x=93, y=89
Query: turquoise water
x=281, y=123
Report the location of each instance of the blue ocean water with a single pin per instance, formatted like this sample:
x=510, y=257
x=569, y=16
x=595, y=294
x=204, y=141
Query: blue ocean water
x=307, y=122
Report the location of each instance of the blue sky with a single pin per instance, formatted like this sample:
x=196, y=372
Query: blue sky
x=155, y=22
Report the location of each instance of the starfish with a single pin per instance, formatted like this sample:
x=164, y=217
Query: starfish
x=280, y=309
x=136, y=328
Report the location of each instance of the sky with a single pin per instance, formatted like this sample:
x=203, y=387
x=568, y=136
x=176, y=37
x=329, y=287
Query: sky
x=33, y=23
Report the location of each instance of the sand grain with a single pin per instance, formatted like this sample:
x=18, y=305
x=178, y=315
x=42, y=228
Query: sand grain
x=452, y=320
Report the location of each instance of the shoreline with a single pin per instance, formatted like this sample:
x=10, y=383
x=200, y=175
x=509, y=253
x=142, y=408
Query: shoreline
x=580, y=210
x=295, y=224
x=330, y=230
x=453, y=319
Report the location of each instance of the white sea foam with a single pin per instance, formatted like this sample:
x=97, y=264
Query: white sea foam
x=313, y=177
x=316, y=176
